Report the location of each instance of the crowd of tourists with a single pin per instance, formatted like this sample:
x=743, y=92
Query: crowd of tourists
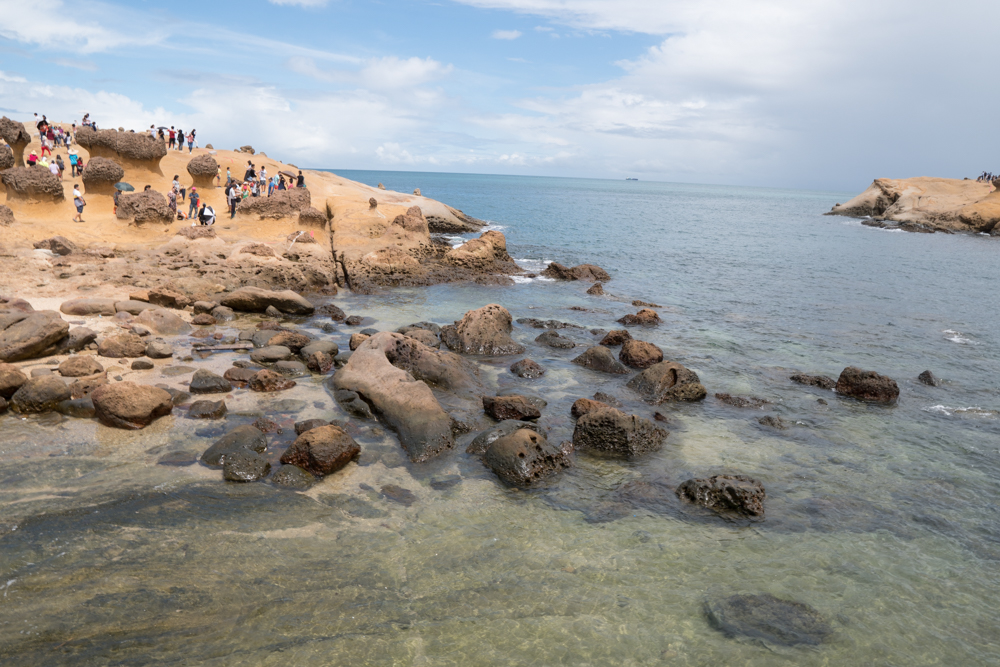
x=258, y=184
x=986, y=177
x=51, y=138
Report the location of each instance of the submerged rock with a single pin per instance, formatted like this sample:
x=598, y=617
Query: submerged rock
x=130, y=406
x=726, y=493
x=580, y=272
x=526, y=368
x=398, y=494
x=240, y=438
x=484, y=331
x=207, y=382
x=525, y=457
x=245, y=466
x=928, y=379
x=322, y=451
x=292, y=477
x=821, y=381
x=553, y=339
x=482, y=441
x=867, y=386
x=773, y=421
x=742, y=401
x=205, y=409
x=667, y=381
x=769, y=619
x=510, y=407
x=39, y=394
x=599, y=358
x=612, y=431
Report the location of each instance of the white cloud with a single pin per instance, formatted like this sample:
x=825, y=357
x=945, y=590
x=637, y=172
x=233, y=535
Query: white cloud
x=506, y=34
x=70, y=28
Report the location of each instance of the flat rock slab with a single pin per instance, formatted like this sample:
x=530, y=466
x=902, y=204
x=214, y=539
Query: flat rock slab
x=88, y=307
x=26, y=335
x=256, y=300
x=769, y=619
x=130, y=406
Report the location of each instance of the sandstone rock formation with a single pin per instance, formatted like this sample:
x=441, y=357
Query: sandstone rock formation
x=525, y=457
x=588, y=272
x=867, y=386
x=611, y=431
x=6, y=157
x=257, y=300
x=203, y=170
x=26, y=335
x=726, y=493
x=412, y=221
x=483, y=331
x=281, y=204
x=322, y=450
x=130, y=406
x=6, y=216
x=16, y=137
x=311, y=217
x=667, y=381
x=100, y=174
x=145, y=206
x=129, y=149
x=32, y=184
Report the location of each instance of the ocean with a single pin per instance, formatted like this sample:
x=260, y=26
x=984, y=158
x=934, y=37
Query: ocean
x=881, y=522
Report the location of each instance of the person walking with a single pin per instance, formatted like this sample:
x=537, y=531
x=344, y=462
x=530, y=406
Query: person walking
x=72, y=163
x=54, y=169
x=171, y=138
x=232, y=199
x=229, y=177
x=180, y=139
x=32, y=159
x=190, y=139
x=62, y=166
x=193, y=202
x=45, y=145
x=218, y=175
x=79, y=202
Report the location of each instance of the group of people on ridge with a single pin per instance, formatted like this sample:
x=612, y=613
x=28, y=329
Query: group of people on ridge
x=257, y=184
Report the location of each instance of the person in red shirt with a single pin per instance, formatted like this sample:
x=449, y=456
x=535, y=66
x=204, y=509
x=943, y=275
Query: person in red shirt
x=173, y=137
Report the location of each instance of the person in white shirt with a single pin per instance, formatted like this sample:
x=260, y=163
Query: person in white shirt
x=54, y=168
x=79, y=202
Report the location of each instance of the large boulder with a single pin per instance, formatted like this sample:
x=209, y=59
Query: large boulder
x=88, y=306
x=867, y=386
x=600, y=358
x=640, y=354
x=281, y=204
x=667, y=381
x=16, y=136
x=406, y=404
x=26, y=335
x=579, y=272
x=126, y=345
x=145, y=206
x=322, y=450
x=203, y=170
x=483, y=331
x=33, y=184
x=437, y=368
x=611, y=431
x=39, y=394
x=130, y=149
x=100, y=175
x=412, y=221
x=726, y=493
x=129, y=405
x=525, y=457
x=11, y=379
x=256, y=300
x=486, y=254
x=163, y=322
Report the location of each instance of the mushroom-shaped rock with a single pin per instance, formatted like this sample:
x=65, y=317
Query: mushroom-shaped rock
x=32, y=184
x=145, y=206
x=100, y=176
x=26, y=335
x=129, y=405
x=322, y=450
x=203, y=170
x=130, y=149
x=311, y=217
x=16, y=137
x=412, y=221
x=611, y=431
x=867, y=386
x=483, y=331
x=667, y=381
x=580, y=272
x=256, y=300
x=406, y=404
x=726, y=493
x=525, y=457
x=281, y=204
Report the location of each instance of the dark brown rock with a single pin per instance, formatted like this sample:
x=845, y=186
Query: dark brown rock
x=60, y=245
x=203, y=320
x=525, y=457
x=644, y=317
x=742, y=401
x=239, y=377
x=265, y=425
x=84, y=386
x=245, y=466
x=611, y=431
x=597, y=289
x=79, y=366
x=322, y=451
x=203, y=170
x=256, y=300
x=726, y=493
x=145, y=206
x=26, y=335
x=319, y=362
x=266, y=380
x=167, y=298
x=32, y=184
x=582, y=406
x=821, y=381
x=11, y=379
x=130, y=406
x=667, y=381
x=616, y=337
x=16, y=136
x=867, y=386
x=510, y=407
x=526, y=368
x=281, y=204
x=206, y=409
x=640, y=354
x=579, y=272
x=309, y=424
x=206, y=382
x=928, y=379
x=293, y=340
x=600, y=358
x=39, y=394
x=100, y=174
x=127, y=148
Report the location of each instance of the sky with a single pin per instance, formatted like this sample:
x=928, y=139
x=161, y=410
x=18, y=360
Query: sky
x=824, y=95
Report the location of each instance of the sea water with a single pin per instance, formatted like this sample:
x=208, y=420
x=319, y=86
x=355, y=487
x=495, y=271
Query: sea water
x=882, y=519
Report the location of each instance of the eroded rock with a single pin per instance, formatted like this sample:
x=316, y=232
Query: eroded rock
x=129, y=405
x=611, y=431
x=322, y=450
x=726, y=493
x=484, y=331
x=668, y=381
x=867, y=386
x=525, y=457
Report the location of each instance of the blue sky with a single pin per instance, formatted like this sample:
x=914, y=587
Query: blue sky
x=824, y=95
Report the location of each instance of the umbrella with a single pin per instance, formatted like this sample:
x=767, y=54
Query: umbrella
x=163, y=128
x=123, y=187
x=288, y=174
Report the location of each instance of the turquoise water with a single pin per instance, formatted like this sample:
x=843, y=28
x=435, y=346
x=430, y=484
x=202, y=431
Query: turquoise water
x=882, y=519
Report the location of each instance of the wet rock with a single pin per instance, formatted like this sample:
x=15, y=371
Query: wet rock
x=726, y=493
x=245, y=466
x=88, y=307
x=616, y=337
x=326, y=346
x=11, y=379
x=821, y=381
x=157, y=349
x=428, y=338
x=525, y=457
x=482, y=441
x=256, y=300
x=267, y=381
x=356, y=340
x=582, y=406
x=597, y=289
x=163, y=322
x=168, y=298
x=611, y=431
x=644, y=317
x=640, y=354
x=273, y=312
x=553, y=339
x=742, y=401
x=322, y=451
x=133, y=307
x=607, y=398
x=773, y=422
x=483, y=331
x=510, y=407
x=291, y=368
x=262, y=338
x=292, y=477
x=130, y=406
x=240, y=438
x=270, y=354
x=335, y=313
x=121, y=346
x=223, y=314
x=39, y=394
x=398, y=494
x=867, y=386
x=77, y=408
x=206, y=382
x=308, y=425
x=928, y=378
x=207, y=410
x=353, y=403
x=580, y=272
x=203, y=320
x=667, y=381
x=78, y=366
x=319, y=362
x=767, y=618
x=265, y=425
x=526, y=368
x=600, y=358
x=354, y=320
x=142, y=365
x=26, y=335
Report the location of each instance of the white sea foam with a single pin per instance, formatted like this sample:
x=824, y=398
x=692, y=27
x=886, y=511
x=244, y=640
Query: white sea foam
x=957, y=337
x=522, y=279
x=974, y=411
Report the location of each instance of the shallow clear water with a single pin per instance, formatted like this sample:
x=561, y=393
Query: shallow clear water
x=882, y=519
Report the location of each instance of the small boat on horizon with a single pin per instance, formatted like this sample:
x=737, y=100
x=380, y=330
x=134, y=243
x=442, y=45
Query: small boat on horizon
x=631, y=179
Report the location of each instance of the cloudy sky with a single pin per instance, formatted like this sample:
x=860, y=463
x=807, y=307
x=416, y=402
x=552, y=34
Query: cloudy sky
x=824, y=95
